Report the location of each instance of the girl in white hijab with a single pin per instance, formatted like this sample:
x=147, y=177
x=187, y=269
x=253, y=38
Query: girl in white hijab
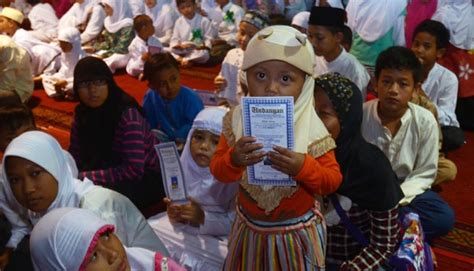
x=60, y=83
x=38, y=177
x=208, y=217
x=163, y=15
x=61, y=241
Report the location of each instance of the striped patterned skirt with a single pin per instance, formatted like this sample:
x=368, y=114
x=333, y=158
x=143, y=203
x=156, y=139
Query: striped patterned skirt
x=294, y=244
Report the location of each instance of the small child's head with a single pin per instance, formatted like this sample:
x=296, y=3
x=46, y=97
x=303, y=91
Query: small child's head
x=93, y=82
x=326, y=30
x=252, y=22
x=69, y=38
x=187, y=8
x=430, y=40
x=62, y=241
x=300, y=21
x=10, y=20
x=15, y=119
x=398, y=75
x=150, y=3
x=203, y=137
x=222, y=3
x=143, y=25
x=162, y=73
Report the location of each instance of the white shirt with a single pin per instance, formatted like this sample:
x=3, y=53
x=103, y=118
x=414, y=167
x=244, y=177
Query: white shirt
x=227, y=30
x=136, y=49
x=413, y=151
x=230, y=72
x=44, y=20
x=183, y=28
x=78, y=15
x=346, y=65
x=458, y=17
x=441, y=87
x=163, y=17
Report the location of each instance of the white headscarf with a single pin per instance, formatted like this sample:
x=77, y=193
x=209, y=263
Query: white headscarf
x=69, y=60
x=122, y=16
x=374, y=18
x=43, y=150
x=211, y=194
x=84, y=10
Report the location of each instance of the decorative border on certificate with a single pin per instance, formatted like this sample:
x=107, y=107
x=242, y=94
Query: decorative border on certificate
x=172, y=172
x=269, y=130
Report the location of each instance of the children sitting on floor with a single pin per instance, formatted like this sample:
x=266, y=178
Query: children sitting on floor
x=163, y=15
x=209, y=214
x=430, y=41
x=62, y=241
x=408, y=135
x=143, y=45
x=325, y=31
x=192, y=35
x=226, y=19
x=169, y=107
x=228, y=81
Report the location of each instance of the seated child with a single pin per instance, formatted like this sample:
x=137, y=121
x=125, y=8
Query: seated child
x=168, y=106
x=43, y=20
x=408, y=135
x=15, y=69
x=192, y=35
x=117, y=36
x=370, y=191
x=430, y=41
x=163, y=15
x=39, y=154
x=110, y=139
x=226, y=19
x=62, y=241
x=228, y=80
x=300, y=21
x=211, y=208
x=60, y=83
x=144, y=44
x=278, y=226
x=325, y=31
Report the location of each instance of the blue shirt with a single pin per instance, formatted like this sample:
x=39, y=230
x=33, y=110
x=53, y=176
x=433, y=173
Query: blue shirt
x=173, y=117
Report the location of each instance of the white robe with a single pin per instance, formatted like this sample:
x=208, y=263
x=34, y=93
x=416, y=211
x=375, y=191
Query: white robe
x=136, y=49
x=227, y=30
x=441, y=87
x=44, y=22
x=163, y=17
x=79, y=13
x=346, y=65
x=230, y=70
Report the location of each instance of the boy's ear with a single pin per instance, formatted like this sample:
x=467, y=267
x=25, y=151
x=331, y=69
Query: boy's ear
x=440, y=53
x=339, y=37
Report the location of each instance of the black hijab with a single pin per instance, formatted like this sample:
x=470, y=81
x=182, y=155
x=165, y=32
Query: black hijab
x=368, y=178
x=96, y=126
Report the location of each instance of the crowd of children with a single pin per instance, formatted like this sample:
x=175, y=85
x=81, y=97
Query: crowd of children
x=382, y=91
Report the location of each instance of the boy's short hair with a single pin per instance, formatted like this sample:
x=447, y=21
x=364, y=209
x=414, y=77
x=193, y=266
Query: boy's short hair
x=180, y=2
x=14, y=116
x=141, y=21
x=157, y=63
x=437, y=30
x=399, y=58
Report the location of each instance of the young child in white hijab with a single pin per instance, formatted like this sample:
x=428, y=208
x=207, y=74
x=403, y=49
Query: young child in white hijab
x=60, y=83
x=37, y=175
x=62, y=241
x=208, y=216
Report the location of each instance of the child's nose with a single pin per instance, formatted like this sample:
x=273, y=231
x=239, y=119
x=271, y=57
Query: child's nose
x=272, y=88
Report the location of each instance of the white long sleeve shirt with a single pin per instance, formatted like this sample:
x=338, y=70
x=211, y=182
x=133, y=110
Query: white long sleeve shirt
x=183, y=30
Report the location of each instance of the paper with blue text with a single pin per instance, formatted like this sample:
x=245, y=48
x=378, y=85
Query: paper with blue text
x=172, y=172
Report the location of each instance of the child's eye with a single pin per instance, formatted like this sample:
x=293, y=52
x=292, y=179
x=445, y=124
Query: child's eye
x=14, y=180
x=93, y=257
x=36, y=173
x=261, y=75
x=285, y=78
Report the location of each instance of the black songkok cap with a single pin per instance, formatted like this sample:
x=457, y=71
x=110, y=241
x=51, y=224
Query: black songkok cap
x=327, y=16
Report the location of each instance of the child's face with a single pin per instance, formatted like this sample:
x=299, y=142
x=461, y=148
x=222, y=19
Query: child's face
x=395, y=89
x=65, y=46
x=424, y=47
x=222, y=2
x=246, y=32
x=275, y=78
x=6, y=25
x=166, y=82
x=33, y=187
x=203, y=145
x=109, y=11
x=324, y=42
x=187, y=9
x=7, y=136
x=108, y=254
x=93, y=93
x=147, y=30
x=150, y=3
x=326, y=112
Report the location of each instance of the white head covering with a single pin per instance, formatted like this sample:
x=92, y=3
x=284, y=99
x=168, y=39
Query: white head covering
x=84, y=9
x=61, y=239
x=211, y=194
x=332, y=3
x=42, y=149
x=372, y=19
x=12, y=14
x=301, y=19
x=122, y=16
x=69, y=60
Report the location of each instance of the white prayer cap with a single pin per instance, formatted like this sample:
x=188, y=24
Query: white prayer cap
x=12, y=14
x=301, y=19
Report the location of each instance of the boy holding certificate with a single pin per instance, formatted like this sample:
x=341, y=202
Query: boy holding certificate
x=278, y=227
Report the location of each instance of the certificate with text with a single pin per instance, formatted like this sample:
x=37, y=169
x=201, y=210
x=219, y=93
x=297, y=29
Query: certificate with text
x=270, y=120
x=172, y=172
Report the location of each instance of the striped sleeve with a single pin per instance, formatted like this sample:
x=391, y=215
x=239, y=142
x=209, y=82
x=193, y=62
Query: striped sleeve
x=74, y=144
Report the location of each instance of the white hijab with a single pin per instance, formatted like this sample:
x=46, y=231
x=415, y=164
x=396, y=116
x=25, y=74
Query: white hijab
x=211, y=194
x=43, y=149
x=458, y=17
x=69, y=60
x=372, y=19
x=84, y=9
x=121, y=17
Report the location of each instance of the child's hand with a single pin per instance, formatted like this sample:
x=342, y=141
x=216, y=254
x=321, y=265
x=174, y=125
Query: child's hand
x=145, y=56
x=60, y=85
x=220, y=83
x=173, y=211
x=88, y=49
x=246, y=152
x=192, y=213
x=286, y=161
